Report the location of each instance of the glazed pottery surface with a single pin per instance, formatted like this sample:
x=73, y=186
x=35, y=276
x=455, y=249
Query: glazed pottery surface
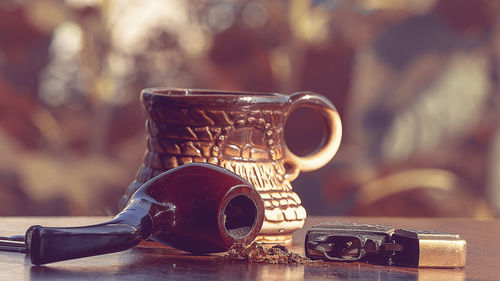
x=242, y=132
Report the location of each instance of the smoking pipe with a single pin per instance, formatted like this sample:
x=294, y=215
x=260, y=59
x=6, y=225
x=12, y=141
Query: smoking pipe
x=200, y=208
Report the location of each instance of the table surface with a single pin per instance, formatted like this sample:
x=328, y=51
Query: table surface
x=151, y=262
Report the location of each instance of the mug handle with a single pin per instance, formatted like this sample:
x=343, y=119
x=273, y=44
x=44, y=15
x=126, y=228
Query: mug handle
x=331, y=139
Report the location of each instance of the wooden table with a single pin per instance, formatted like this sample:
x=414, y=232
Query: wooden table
x=149, y=262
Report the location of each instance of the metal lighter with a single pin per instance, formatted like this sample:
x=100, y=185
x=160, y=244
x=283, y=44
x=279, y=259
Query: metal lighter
x=383, y=244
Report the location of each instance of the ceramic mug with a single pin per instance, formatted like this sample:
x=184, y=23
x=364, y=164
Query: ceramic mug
x=242, y=132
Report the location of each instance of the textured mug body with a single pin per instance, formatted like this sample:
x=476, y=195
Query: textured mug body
x=242, y=132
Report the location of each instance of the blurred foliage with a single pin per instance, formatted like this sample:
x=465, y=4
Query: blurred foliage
x=416, y=83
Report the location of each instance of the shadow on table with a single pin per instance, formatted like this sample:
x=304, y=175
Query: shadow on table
x=168, y=264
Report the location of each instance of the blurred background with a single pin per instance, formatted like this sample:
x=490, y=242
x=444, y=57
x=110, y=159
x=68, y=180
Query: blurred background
x=416, y=84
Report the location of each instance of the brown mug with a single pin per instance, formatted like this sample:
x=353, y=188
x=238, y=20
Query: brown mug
x=242, y=132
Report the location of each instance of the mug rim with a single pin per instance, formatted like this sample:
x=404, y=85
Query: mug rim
x=245, y=97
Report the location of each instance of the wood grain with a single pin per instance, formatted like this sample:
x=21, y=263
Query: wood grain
x=151, y=261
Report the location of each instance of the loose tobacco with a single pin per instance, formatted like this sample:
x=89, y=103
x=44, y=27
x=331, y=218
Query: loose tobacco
x=256, y=253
